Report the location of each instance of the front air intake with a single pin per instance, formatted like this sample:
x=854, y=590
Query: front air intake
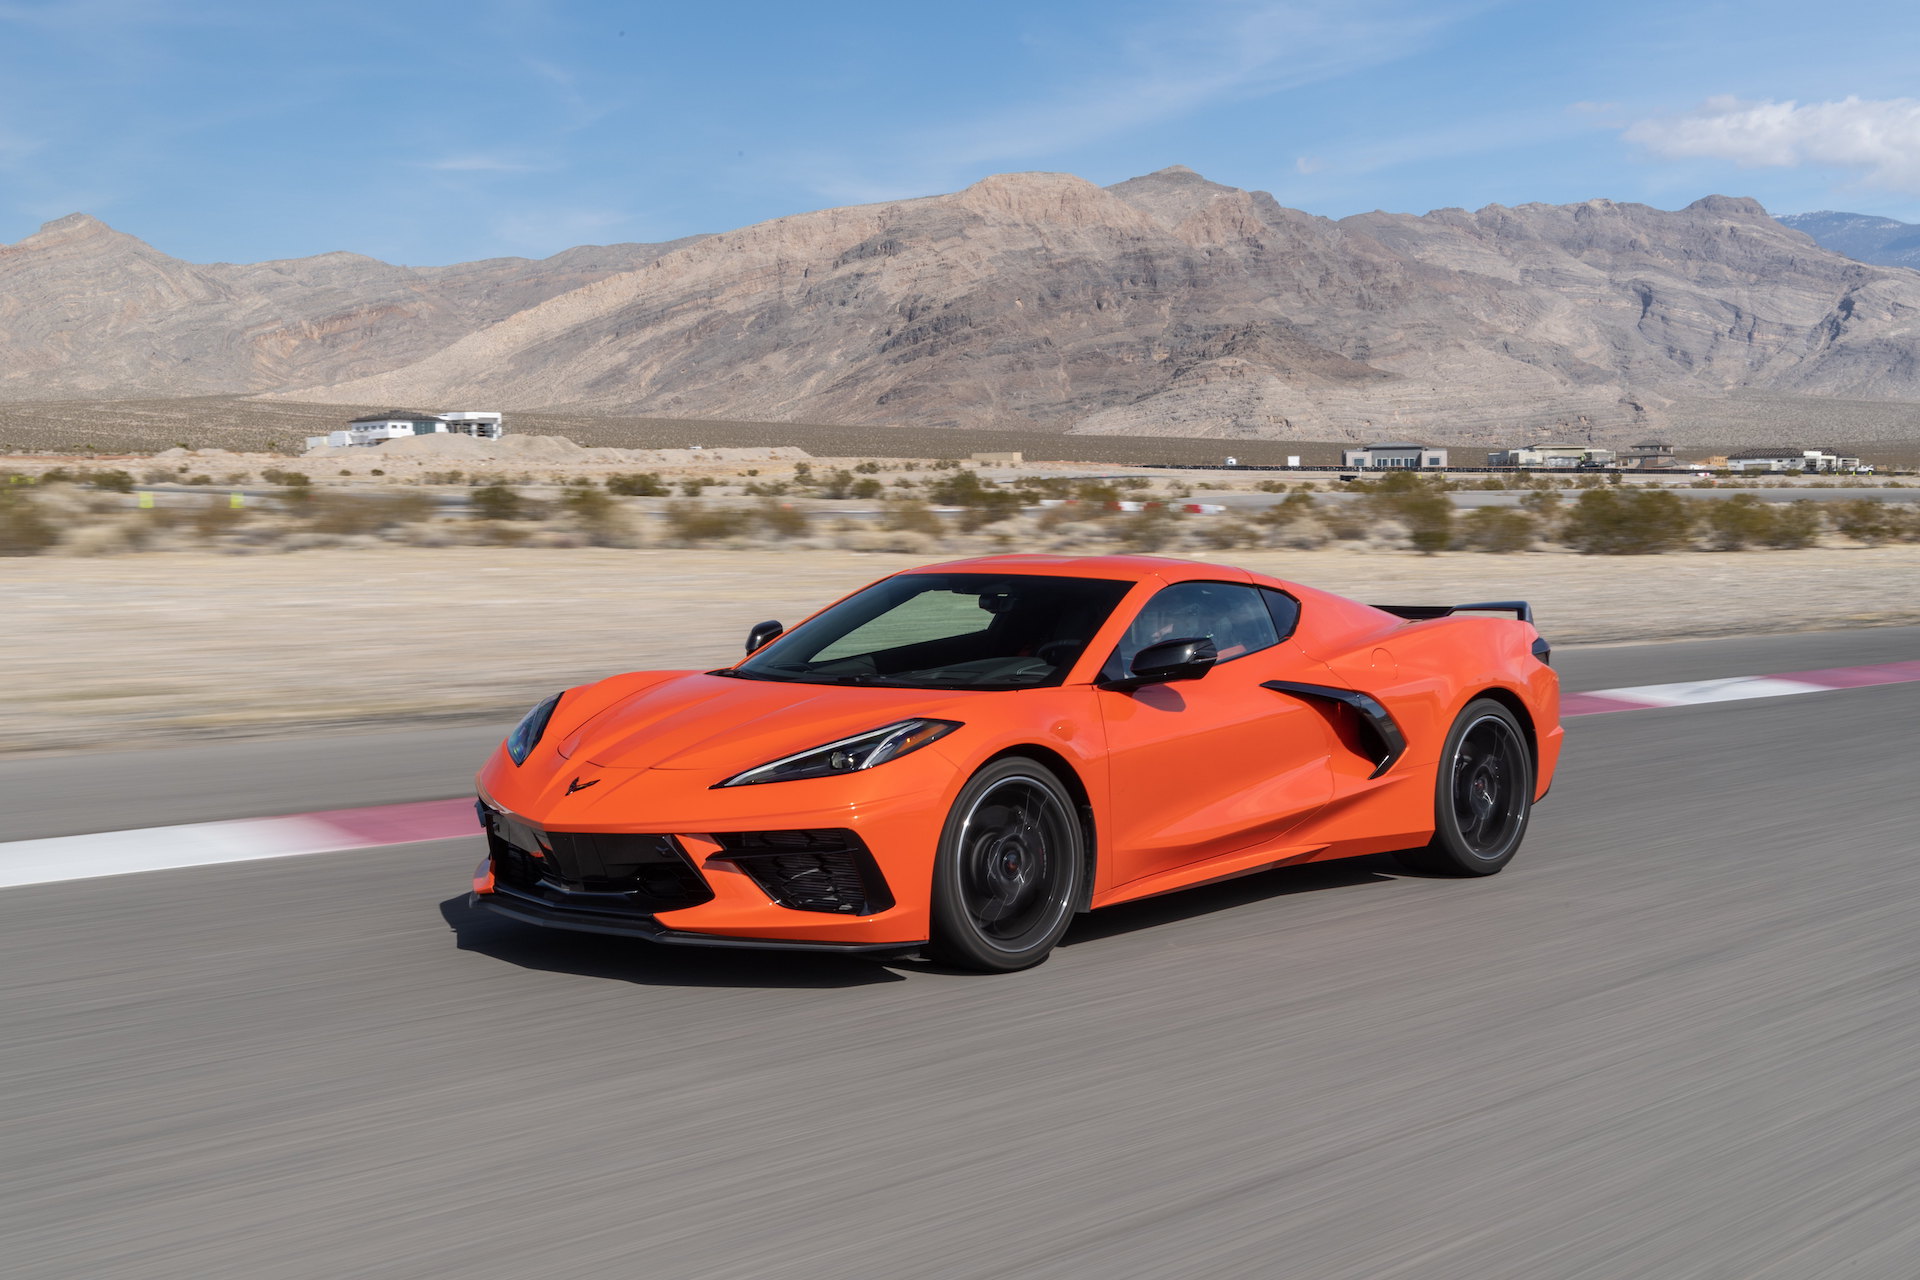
x=829, y=871
x=643, y=873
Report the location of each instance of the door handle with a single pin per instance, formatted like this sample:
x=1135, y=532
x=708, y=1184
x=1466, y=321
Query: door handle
x=1387, y=742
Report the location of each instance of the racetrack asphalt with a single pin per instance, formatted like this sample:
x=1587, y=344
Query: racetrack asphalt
x=1677, y=1038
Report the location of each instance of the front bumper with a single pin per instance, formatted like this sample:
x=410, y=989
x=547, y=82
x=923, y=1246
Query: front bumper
x=517, y=905
x=894, y=814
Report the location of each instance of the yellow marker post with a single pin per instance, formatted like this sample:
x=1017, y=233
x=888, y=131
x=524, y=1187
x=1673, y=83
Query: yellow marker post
x=144, y=500
x=236, y=500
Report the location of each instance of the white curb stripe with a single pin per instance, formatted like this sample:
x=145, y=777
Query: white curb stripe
x=1692, y=692
x=118, y=853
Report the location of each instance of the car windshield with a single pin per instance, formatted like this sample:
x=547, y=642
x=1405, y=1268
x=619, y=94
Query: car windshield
x=945, y=631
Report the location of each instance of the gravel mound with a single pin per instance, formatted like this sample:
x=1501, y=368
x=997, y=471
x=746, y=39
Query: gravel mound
x=542, y=449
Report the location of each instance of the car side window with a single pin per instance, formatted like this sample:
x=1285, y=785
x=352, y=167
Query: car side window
x=1232, y=615
x=1283, y=609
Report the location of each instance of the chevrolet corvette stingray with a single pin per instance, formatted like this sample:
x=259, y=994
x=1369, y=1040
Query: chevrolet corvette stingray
x=959, y=758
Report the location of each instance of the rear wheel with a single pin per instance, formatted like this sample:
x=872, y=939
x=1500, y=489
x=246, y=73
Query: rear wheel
x=1008, y=869
x=1483, y=795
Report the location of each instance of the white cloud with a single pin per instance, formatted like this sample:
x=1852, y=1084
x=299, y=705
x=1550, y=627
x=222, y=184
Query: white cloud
x=1880, y=138
x=482, y=162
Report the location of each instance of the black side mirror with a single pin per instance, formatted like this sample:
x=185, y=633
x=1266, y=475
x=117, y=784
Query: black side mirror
x=1171, y=660
x=763, y=633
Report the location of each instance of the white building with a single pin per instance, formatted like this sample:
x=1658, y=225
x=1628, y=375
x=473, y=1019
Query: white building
x=1803, y=460
x=484, y=423
x=1394, y=454
x=1552, y=456
x=396, y=424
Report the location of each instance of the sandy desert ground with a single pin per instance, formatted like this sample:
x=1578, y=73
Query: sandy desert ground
x=140, y=649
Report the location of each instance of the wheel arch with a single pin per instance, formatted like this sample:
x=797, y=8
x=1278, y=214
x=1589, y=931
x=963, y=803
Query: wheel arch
x=1063, y=769
x=1518, y=705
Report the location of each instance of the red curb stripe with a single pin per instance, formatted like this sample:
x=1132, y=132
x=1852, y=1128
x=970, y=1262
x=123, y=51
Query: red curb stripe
x=399, y=823
x=1858, y=677
x=1593, y=704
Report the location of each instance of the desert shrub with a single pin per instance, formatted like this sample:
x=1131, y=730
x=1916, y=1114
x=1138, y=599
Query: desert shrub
x=594, y=514
x=291, y=479
x=1225, y=532
x=1743, y=520
x=1498, y=529
x=113, y=481
x=803, y=473
x=501, y=502
x=1097, y=492
x=769, y=489
x=1795, y=524
x=867, y=469
x=1420, y=503
x=1736, y=523
x=694, y=487
x=837, y=484
x=25, y=530
x=216, y=516
x=1346, y=523
x=1287, y=510
x=443, y=477
x=1871, y=520
x=695, y=522
x=638, y=484
x=1627, y=522
x=781, y=520
x=1148, y=530
x=358, y=513
x=912, y=517
x=865, y=488
x=199, y=479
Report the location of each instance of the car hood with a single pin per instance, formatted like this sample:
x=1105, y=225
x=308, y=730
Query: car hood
x=700, y=721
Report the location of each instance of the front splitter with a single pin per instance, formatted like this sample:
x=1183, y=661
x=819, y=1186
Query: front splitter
x=529, y=911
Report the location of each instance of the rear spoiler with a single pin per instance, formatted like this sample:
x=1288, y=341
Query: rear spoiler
x=1421, y=612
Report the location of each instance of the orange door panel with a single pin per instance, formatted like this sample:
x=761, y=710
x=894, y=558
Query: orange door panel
x=1203, y=767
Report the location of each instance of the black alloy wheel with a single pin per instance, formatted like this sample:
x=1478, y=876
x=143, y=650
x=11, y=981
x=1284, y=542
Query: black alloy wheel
x=1008, y=870
x=1483, y=795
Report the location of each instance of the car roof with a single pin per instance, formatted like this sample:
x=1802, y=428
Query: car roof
x=1127, y=568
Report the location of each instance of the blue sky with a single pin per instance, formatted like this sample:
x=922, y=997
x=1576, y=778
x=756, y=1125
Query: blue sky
x=429, y=132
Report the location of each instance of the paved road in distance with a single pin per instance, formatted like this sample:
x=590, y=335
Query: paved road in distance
x=1680, y=1037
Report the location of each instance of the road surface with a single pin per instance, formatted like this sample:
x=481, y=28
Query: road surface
x=1679, y=1037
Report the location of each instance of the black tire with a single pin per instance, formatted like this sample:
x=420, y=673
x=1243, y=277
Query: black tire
x=1007, y=873
x=1483, y=795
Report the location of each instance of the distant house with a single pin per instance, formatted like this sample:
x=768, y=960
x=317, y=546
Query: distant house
x=1396, y=454
x=396, y=424
x=1801, y=460
x=1552, y=457
x=1649, y=455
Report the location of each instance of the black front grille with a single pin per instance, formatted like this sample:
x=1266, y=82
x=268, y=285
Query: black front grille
x=640, y=873
x=828, y=870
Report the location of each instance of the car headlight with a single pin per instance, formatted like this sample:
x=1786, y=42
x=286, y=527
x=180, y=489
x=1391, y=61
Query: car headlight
x=526, y=734
x=848, y=755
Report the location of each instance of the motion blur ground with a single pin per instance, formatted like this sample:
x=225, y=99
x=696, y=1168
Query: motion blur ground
x=1675, y=1038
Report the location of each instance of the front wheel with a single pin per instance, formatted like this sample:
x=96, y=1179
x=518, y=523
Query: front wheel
x=1483, y=795
x=1008, y=869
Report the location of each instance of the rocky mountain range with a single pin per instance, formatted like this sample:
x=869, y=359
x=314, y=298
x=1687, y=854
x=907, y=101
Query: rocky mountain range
x=89, y=311
x=1163, y=305
x=1863, y=237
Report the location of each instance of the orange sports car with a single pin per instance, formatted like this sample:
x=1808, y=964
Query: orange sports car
x=959, y=758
